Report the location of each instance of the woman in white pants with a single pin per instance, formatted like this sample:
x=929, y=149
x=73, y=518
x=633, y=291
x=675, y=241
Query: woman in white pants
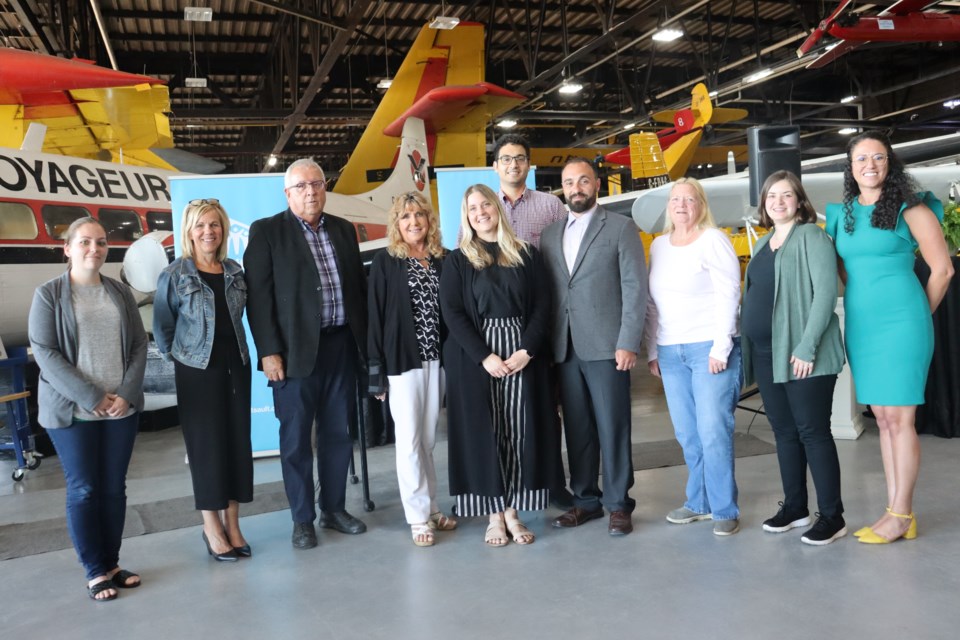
x=404, y=337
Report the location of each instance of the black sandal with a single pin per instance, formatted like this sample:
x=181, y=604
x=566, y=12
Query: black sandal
x=94, y=590
x=120, y=578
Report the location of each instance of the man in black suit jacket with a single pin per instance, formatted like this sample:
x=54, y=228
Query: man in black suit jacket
x=306, y=303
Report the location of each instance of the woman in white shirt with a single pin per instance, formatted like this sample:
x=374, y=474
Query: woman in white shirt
x=693, y=345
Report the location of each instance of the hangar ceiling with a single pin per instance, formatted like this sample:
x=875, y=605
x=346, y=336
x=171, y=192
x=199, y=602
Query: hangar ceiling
x=259, y=56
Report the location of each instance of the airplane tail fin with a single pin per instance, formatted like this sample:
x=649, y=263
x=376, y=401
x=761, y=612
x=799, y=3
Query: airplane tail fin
x=410, y=172
x=646, y=161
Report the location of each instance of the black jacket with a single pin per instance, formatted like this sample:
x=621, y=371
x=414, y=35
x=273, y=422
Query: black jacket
x=283, y=289
x=392, y=346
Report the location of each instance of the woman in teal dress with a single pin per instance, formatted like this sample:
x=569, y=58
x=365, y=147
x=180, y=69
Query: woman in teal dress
x=877, y=229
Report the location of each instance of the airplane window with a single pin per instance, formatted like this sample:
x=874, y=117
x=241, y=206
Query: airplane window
x=17, y=222
x=159, y=220
x=122, y=225
x=57, y=218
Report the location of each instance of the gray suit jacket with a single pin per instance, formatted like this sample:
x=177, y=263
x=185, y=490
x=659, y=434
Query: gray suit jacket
x=602, y=304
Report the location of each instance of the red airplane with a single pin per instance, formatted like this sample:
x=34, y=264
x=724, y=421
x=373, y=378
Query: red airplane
x=902, y=21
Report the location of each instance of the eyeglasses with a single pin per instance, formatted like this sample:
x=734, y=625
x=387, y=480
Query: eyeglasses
x=318, y=185
x=879, y=158
x=519, y=159
x=202, y=201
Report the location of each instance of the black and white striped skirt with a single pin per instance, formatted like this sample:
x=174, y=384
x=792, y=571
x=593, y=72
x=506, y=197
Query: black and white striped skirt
x=506, y=411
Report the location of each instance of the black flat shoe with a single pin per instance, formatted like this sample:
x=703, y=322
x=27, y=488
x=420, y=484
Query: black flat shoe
x=100, y=587
x=226, y=556
x=244, y=552
x=120, y=578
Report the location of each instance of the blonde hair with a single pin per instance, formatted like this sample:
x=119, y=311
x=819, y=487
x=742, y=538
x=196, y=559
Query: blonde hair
x=471, y=245
x=705, y=221
x=192, y=213
x=396, y=247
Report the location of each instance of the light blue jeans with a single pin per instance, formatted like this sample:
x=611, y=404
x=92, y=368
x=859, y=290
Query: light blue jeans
x=701, y=408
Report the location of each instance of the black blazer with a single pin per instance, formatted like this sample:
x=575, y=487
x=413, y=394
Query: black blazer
x=283, y=289
x=392, y=338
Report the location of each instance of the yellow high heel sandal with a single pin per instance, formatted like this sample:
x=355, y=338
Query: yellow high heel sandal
x=859, y=533
x=873, y=538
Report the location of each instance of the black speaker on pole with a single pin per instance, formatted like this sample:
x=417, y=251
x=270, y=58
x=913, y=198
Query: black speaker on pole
x=771, y=149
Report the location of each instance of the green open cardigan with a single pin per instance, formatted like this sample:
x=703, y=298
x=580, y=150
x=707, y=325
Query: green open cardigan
x=805, y=296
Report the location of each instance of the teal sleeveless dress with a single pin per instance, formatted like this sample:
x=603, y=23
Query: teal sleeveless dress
x=889, y=328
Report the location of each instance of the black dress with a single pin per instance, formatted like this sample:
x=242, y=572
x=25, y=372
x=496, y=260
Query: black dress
x=214, y=405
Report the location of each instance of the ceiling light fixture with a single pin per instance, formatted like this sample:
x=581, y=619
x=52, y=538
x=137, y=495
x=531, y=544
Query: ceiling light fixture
x=847, y=99
x=952, y=104
x=442, y=21
x=847, y=131
x=272, y=161
x=507, y=124
x=384, y=83
x=197, y=14
x=629, y=125
x=713, y=94
x=667, y=35
x=570, y=87
x=759, y=75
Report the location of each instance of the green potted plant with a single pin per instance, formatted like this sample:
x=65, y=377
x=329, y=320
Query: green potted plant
x=951, y=226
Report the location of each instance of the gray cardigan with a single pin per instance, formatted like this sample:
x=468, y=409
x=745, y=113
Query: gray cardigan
x=52, y=329
x=805, y=296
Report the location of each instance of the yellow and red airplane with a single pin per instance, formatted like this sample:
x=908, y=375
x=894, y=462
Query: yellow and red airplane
x=656, y=158
x=88, y=111
x=441, y=81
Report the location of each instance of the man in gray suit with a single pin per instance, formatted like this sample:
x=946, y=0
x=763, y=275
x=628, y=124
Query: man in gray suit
x=599, y=281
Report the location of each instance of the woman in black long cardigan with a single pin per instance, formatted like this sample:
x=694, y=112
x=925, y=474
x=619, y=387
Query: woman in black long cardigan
x=496, y=307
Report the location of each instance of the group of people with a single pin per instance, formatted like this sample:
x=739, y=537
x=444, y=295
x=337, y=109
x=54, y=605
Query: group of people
x=536, y=303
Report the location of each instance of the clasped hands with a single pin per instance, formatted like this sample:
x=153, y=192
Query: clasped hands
x=112, y=405
x=500, y=368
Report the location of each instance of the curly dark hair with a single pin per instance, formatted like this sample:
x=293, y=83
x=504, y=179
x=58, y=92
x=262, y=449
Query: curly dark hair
x=899, y=187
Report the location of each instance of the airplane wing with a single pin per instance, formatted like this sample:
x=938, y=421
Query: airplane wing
x=875, y=24
x=87, y=109
x=457, y=109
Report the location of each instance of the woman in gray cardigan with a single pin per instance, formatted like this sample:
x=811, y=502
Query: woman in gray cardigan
x=89, y=342
x=793, y=350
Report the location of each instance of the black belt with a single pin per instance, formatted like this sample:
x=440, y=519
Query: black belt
x=325, y=331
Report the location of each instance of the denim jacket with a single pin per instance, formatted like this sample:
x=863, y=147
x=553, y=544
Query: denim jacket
x=184, y=314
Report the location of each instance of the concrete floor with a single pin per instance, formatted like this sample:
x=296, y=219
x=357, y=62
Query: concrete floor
x=662, y=581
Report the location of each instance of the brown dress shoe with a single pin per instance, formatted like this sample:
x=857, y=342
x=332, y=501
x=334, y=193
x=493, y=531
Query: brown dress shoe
x=576, y=517
x=620, y=524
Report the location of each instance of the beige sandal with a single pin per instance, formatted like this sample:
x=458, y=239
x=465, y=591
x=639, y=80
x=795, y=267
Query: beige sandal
x=422, y=535
x=440, y=522
x=496, y=534
x=519, y=532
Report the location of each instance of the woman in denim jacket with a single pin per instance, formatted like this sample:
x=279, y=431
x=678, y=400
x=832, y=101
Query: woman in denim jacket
x=197, y=313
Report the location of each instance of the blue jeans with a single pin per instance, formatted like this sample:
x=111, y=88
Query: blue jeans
x=95, y=456
x=701, y=408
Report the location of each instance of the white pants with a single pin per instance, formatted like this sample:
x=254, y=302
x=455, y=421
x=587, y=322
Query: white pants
x=414, y=398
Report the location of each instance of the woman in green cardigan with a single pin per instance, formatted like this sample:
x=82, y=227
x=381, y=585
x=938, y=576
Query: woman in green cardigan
x=793, y=350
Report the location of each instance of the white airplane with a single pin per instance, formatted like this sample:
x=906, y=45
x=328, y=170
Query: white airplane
x=729, y=195
x=41, y=194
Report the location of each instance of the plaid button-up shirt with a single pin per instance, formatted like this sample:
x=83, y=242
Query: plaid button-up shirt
x=533, y=212
x=332, y=312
